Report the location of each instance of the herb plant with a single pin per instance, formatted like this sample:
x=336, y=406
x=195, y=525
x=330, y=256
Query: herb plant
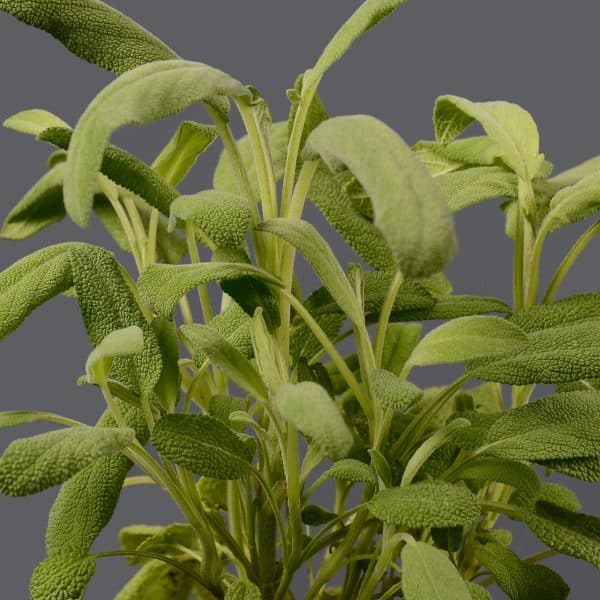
x=241, y=411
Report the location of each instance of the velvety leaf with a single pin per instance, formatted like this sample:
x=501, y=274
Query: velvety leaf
x=220, y=216
x=559, y=495
x=23, y=417
x=203, y=445
x=30, y=465
x=520, y=580
x=242, y=590
x=168, y=386
x=161, y=286
x=425, y=504
x=177, y=158
x=467, y=338
x=267, y=354
x=574, y=203
x=221, y=407
x=432, y=155
x=508, y=125
x=392, y=392
x=577, y=173
x=312, y=411
x=157, y=580
x=353, y=471
x=146, y=94
x=477, y=592
x=586, y=468
x=62, y=576
x=93, y=31
x=168, y=538
x=418, y=228
x=33, y=121
x=428, y=574
x=400, y=341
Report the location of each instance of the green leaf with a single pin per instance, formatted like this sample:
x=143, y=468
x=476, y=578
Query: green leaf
x=400, y=341
x=62, y=576
x=157, y=580
x=509, y=126
x=225, y=178
x=561, y=496
x=213, y=492
x=220, y=216
x=30, y=282
x=364, y=18
x=168, y=386
x=586, y=468
x=418, y=229
x=242, y=590
x=353, y=471
x=177, y=158
x=315, y=515
x=226, y=357
x=566, y=425
x=161, y=286
x=392, y=392
x=93, y=31
x=329, y=194
x=311, y=410
x=515, y=474
x=23, y=417
x=565, y=531
x=577, y=173
x=425, y=504
x=33, y=464
x=477, y=592
x=131, y=536
x=468, y=187
x=167, y=540
x=428, y=574
x=146, y=94
x=317, y=252
x=203, y=445
x=453, y=307
x=563, y=345
x=574, y=203
x=267, y=354
x=33, y=121
x=41, y=206
x=467, y=338
x=220, y=407
x=520, y=580
x=434, y=158
x=120, y=342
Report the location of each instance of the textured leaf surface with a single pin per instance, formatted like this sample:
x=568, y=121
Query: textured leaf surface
x=563, y=345
x=467, y=338
x=519, y=580
x=93, y=31
x=577, y=173
x=148, y=93
x=177, y=158
x=157, y=580
x=574, y=203
x=317, y=252
x=352, y=470
x=168, y=386
x=30, y=465
x=559, y=495
x=121, y=342
x=22, y=417
x=428, y=574
x=400, y=341
x=242, y=590
x=409, y=208
x=62, y=577
x=312, y=411
x=425, y=504
x=222, y=217
x=203, y=445
x=33, y=121
x=511, y=127
x=392, y=392
x=161, y=286
x=586, y=468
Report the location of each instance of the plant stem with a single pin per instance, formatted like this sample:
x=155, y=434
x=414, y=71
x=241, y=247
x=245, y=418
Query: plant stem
x=384, y=315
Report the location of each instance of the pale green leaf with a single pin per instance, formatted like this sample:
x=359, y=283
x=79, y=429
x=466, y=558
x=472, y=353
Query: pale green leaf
x=213, y=492
x=311, y=410
x=157, y=580
x=520, y=580
x=93, y=31
x=467, y=338
x=574, y=203
x=453, y=307
x=400, y=341
x=120, y=342
x=30, y=465
x=267, y=354
x=577, y=173
x=62, y=576
x=146, y=94
x=202, y=444
x=409, y=208
x=22, y=417
x=428, y=574
x=317, y=252
x=477, y=592
x=168, y=386
x=432, y=155
x=220, y=216
x=131, y=536
x=364, y=18
x=33, y=121
x=226, y=357
x=353, y=471
x=392, y=392
x=177, y=158
x=243, y=590
x=508, y=125
x=425, y=504
x=221, y=407
x=161, y=286
x=168, y=538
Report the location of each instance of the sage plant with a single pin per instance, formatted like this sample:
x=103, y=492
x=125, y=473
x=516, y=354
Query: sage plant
x=242, y=409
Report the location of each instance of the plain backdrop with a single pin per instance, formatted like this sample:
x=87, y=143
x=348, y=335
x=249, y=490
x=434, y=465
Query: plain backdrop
x=542, y=55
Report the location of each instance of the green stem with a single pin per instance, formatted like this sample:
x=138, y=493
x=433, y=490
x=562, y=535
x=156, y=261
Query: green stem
x=384, y=315
x=569, y=260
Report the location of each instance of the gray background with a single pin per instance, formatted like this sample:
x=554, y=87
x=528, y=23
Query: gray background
x=542, y=55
